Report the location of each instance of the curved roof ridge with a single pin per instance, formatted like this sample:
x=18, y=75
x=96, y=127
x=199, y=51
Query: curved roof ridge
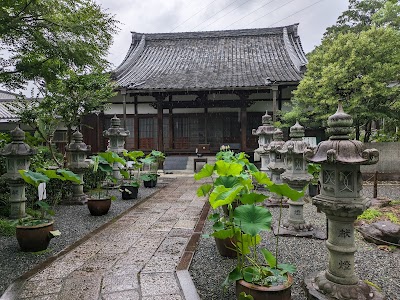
x=293, y=51
x=135, y=50
x=216, y=34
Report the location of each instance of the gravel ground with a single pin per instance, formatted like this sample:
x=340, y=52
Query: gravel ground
x=209, y=269
x=74, y=222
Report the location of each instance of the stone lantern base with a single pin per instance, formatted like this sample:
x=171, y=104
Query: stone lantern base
x=302, y=230
x=319, y=288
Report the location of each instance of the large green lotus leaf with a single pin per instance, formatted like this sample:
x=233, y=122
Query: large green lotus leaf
x=69, y=175
x=252, y=198
x=222, y=195
x=223, y=234
x=251, y=274
x=125, y=173
x=33, y=178
x=286, y=191
x=270, y=259
x=206, y=171
x=203, y=190
x=234, y=275
x=246, y=181
x=52, y=174
x=228, y=168
x=262, y=178
x=286, y=268
x=112, y=157
x=105, y=167
x=214, y=217
x=218, y=226
x=252, y=168
x=245, y=242
x=133, y=155
x=252, y=219
x=227, y=181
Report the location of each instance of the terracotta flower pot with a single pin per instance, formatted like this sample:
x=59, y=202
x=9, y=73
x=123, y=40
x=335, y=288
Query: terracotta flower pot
x=132, y=194
x=226, y=247
x=34, y=238
x=99, y=207
x=277, y=292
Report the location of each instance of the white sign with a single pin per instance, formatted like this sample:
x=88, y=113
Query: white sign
x=42, y=191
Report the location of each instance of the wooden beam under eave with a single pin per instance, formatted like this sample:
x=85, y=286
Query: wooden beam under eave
x=243, y=128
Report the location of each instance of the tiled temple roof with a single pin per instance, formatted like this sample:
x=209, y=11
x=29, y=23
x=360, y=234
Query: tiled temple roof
x=247, y=58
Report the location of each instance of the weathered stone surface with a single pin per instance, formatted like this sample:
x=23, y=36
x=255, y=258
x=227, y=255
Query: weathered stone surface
x=163, y=297
x=116, y=283
x=161, y=264
x=381, y=232
x=157, y=284
x=81, y=286
x=125, y=295
x=36, y=289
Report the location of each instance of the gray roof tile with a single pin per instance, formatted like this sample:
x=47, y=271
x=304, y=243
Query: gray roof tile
x=213, y=59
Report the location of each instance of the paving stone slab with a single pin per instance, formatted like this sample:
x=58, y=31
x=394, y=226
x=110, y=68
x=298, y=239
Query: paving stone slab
x=186, y=224
x=164, y=297
x=180, y=232
x=157, y=284
x=58, y=269
x=161, y=264
x=100, y=262
x=172, y=246
x=47, y=297
x=34, y=289
x=117, y=283
x=81, y=286
x=125, y=295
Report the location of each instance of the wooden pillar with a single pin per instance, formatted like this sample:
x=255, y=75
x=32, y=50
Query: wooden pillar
x=274, y=98
x=160, y=135
x=136, y=124
x=280, y=97
x=205, y=125
x=123, y=93
x=243, y=128
x=170, y=124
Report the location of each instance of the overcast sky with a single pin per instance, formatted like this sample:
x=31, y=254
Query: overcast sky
x=151, y=16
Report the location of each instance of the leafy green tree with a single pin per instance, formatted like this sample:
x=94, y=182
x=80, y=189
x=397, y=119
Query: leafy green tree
x=66, y=101
x=359, y=65
x=42, y=39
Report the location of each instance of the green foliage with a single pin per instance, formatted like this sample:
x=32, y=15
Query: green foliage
x=148, y=177
x=252, y=219
x=44, y=39
x=392, y=217
x=7, y=227
x=314, y=170
x=369, y=214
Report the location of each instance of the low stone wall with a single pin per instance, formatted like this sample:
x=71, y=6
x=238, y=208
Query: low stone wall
x=388, y=166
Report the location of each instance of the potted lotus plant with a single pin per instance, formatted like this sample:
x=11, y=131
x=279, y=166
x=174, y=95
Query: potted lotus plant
x=313, y=187
x=255, y=274
x=35, y=232
x=131, y=173
x=99, y=201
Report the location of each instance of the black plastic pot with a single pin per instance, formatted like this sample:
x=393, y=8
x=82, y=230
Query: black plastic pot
x=150, y=183
x=129, y=192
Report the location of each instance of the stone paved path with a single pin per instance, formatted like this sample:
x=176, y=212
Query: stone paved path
x=132, y=259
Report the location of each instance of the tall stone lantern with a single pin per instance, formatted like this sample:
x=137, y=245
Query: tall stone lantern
x=276, y=165
x=264, y=133
x=17, y=155
x=297, y=177
x=116, y=135
x=341, y=201
x=77, y=151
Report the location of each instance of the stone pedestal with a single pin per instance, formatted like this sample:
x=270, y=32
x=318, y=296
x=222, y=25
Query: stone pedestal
x=116, y=135
x=341, y=201
x=77, y=151
x=276, y=166
x=297, y=177
x=264, y=133
x=17, y=155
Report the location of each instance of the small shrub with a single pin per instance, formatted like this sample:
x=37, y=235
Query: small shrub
x=369, y=214
x=7, y=227
x=91, y=178
x=392, y=217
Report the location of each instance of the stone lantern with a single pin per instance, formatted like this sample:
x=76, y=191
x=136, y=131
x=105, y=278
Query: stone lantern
x=276, y=165
x=76, y=155
x=297, y=177
x=341, y=201
x=17, y=155
x=116, y=135
x=264, y=133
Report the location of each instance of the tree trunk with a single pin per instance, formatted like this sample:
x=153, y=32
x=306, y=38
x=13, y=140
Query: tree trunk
x=357, y=126
x=367, y=131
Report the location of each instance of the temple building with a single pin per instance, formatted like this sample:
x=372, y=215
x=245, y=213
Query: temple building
x=179, y=90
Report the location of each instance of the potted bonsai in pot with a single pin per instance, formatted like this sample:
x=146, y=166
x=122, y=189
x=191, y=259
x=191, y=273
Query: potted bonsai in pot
x=131, y=173
x=34, y=233
x=100, y=199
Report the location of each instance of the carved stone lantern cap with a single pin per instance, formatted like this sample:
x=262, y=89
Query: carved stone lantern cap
x=277, y=142
x=77, y=143
x=115, y=129
x=17, y=147
x=296, y=131
x=339, y=148
x=266, y=128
